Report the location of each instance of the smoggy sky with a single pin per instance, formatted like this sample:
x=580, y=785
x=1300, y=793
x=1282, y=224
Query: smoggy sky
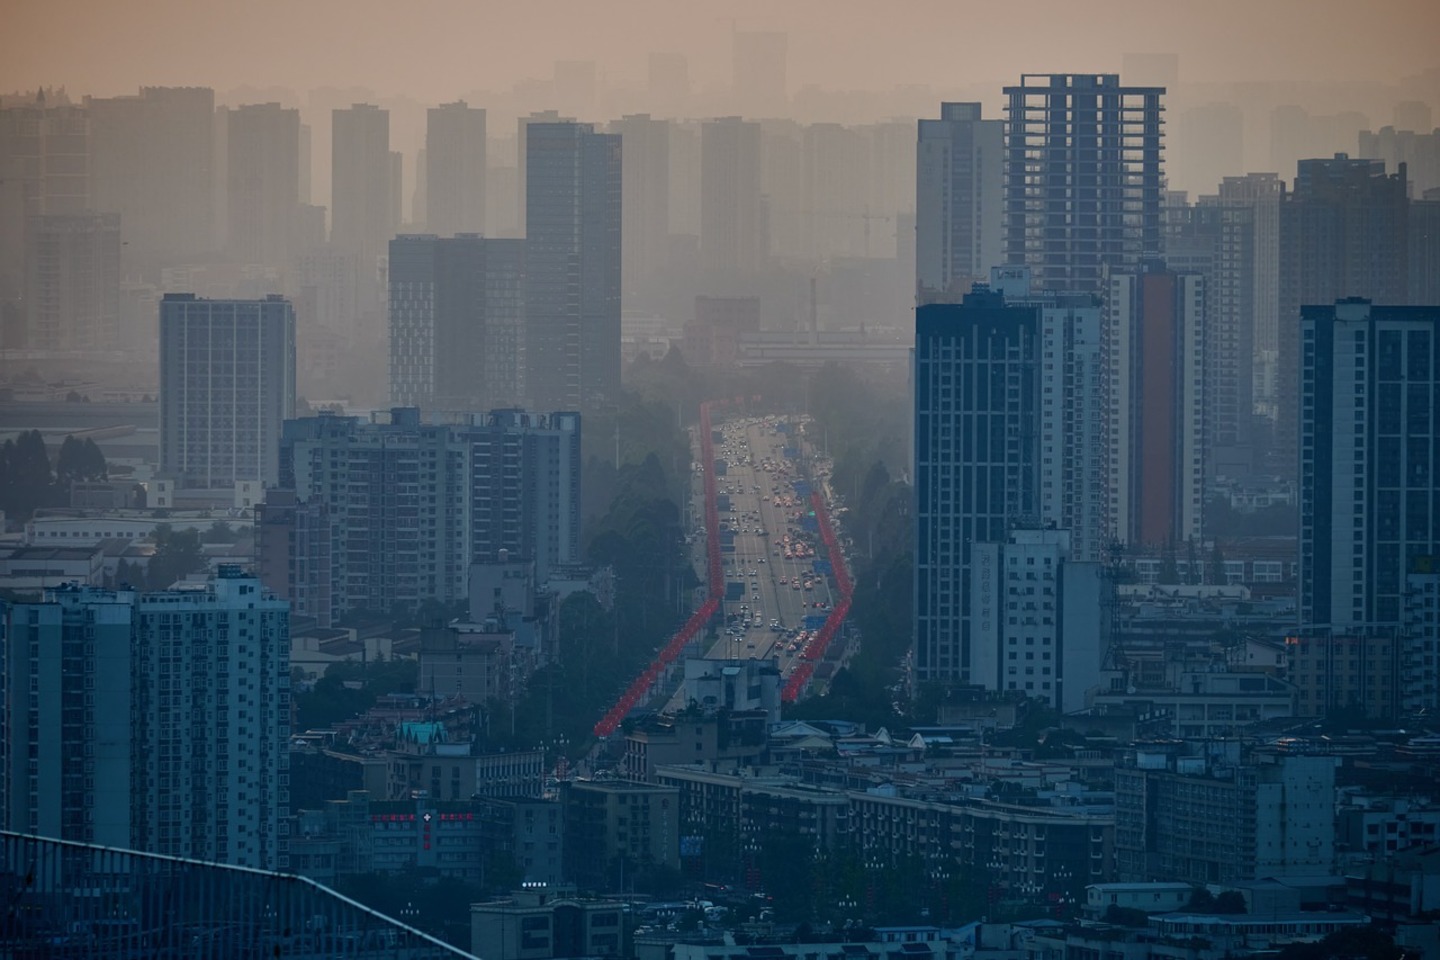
x=433, y=50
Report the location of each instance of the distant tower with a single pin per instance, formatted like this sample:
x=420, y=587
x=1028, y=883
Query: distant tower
x=1343, y=233
x=457, y=322
x=363, y=209
x=454, y=170
x=1082, y=177
x=959, y=184
x=72, y=282
x=573, y=250
x=153, y=162
x=227, y=382
x=732, y=212
x=262, y=173
x=645, y=213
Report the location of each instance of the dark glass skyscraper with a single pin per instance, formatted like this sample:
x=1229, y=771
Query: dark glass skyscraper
x=572, y=232
x=1082, y=177
x=976, y=418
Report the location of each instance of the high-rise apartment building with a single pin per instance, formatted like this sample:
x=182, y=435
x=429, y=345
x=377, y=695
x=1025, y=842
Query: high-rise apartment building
x=457, y=322
x=1369, y=446
x=1082, y=177
x=227, y=383
x=1261, y=193
x=959, y=190
x=645, y=192
x=153, y=162
x=156, y=722
x=262, y=183
x=1343, y=233
x=573, y=252
x=1418, y=149
x=454, y=170
x=975, y=461
x=44, y=170
x=72, y=282
x=1156, y=352
x=364, y=198
x=1216, y=240
x=509, y=481
x=732, y=211
x=1073, y=381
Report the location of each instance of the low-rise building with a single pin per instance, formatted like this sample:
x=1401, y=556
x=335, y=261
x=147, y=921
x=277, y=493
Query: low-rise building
x=1219, y=815
x=613, y=823
x=548, y=923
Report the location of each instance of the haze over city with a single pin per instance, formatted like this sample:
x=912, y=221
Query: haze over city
x=650, y=480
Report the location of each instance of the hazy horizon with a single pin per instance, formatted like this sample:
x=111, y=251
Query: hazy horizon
x=436, y=50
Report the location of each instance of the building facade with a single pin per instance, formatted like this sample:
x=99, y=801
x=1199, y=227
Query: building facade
x=72, y=282
x=454, y=169
x=457, y=322
x=507, y=486
x=1156, y=352
x=1343, y=233
x=733, y=218
x=227, y=383
x=1279, y=813
x=1041, y=624
x=262, y=183
x=364, y=194
x=160, y=721
x=1370, y=382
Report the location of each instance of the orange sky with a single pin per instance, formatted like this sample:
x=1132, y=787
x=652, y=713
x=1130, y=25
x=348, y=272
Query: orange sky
x=434, y=49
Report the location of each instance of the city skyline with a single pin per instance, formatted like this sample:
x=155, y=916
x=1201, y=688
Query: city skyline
x=1326, y=41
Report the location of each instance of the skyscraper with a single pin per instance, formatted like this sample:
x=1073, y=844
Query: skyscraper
x=1082, y=177
x=457, y=322
x=732, y=212
x=227, y=382
x=573, y=251
x=262, y=174
x=454, y=169
x=503, y=481
x=975, y=461
x=1261, y=194
x=152, y=162
x=1156, y=351
x=1369, y=449
x=1073, y=412
x=363, y=204
x=1216, y=240
x=1343, y=233
x=645, y=191
x=156, y=722
x=959, y=185
x=44, y=170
